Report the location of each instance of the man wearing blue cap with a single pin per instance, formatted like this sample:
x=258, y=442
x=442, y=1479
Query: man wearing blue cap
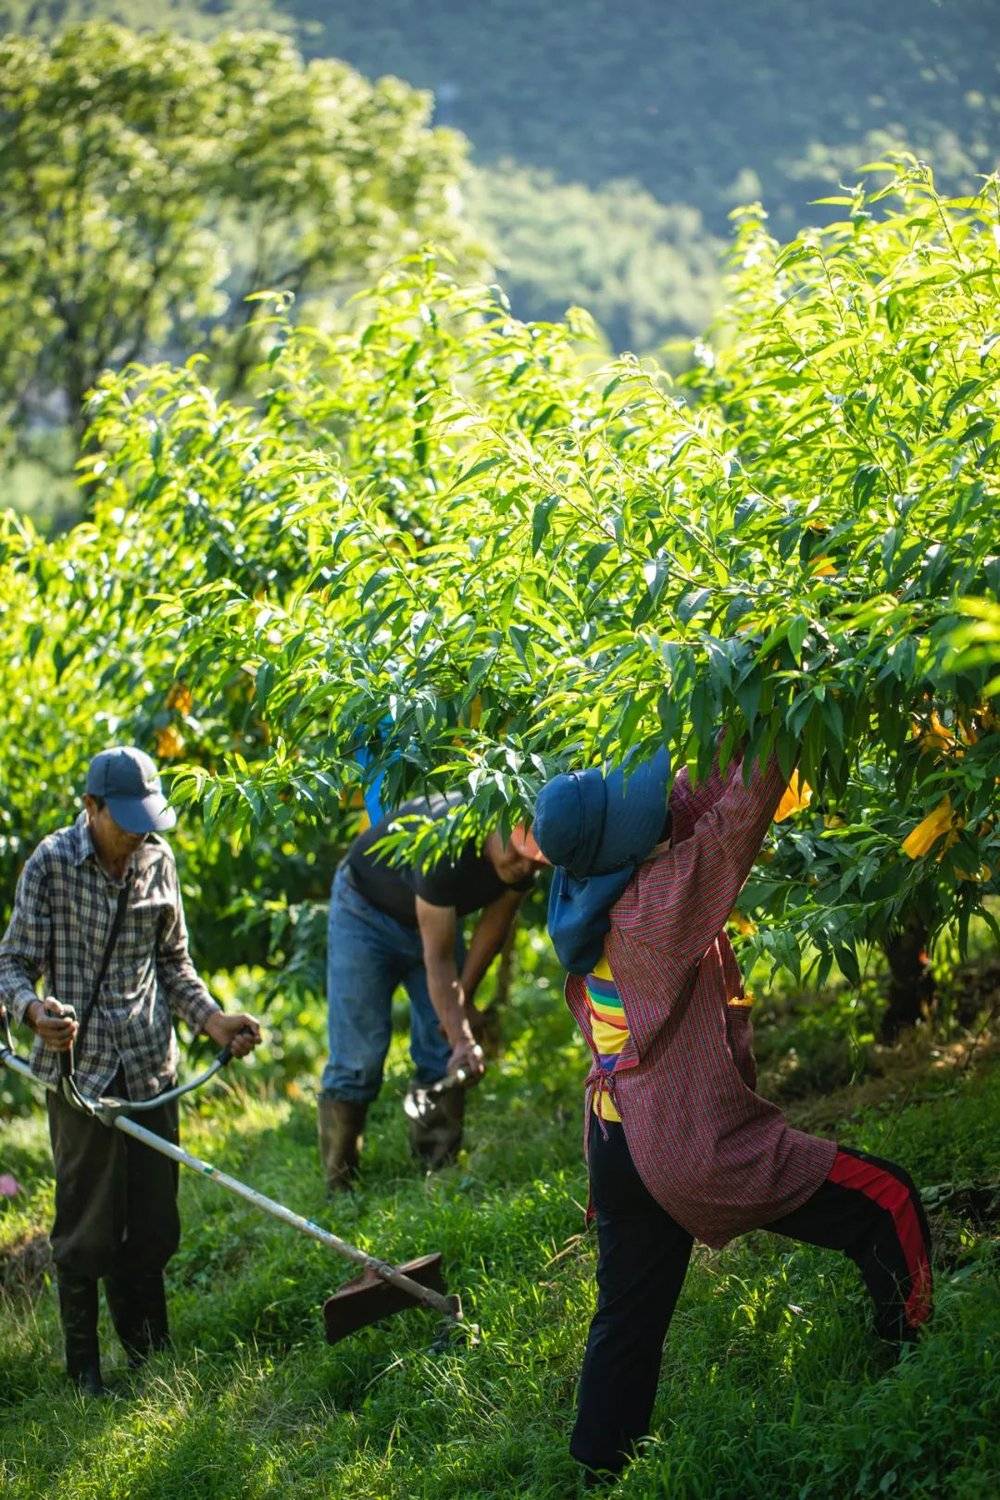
x=98, y=916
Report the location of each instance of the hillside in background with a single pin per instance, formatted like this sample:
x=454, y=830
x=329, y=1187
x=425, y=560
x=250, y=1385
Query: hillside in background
x=612, y=142
x=704, y=105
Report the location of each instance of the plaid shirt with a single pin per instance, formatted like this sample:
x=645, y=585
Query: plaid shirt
x=63, y=911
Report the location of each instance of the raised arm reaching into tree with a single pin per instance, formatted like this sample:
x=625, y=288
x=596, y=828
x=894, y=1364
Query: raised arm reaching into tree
x=679, y=1144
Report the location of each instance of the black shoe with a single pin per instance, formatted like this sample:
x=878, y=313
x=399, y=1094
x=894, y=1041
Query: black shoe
x=88, y=1381
x=600, y=1479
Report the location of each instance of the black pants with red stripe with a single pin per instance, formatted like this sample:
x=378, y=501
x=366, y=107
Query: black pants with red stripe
x=867, y=1208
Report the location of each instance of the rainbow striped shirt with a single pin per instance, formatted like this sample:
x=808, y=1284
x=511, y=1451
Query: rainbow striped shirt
x=608, y=1029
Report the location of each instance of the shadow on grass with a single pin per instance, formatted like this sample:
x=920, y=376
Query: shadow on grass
x=772, y=1383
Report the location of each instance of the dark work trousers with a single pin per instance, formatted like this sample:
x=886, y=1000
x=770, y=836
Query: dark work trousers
x=116, y=1200
x=867, y=1208
x=116, y=1218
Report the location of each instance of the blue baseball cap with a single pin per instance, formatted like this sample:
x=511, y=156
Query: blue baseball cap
x=129, y=783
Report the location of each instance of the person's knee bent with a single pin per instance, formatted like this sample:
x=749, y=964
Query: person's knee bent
x=355, y=1085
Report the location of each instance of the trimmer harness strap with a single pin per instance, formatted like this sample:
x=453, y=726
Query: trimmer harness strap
x=109, y=949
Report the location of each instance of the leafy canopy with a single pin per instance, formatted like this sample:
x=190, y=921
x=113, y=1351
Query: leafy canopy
x=443, y=537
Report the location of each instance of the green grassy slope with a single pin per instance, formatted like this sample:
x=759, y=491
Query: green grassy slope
x=772, y=1385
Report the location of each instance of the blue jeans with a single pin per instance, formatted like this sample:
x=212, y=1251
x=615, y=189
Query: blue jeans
x=369, y=954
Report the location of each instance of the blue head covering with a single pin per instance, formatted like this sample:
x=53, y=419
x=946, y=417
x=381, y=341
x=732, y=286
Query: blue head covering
x=596, y=830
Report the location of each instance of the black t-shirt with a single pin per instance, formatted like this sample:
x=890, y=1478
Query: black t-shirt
x=468, y=885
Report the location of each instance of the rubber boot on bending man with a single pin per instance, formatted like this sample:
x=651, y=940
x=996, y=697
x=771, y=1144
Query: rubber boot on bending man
x=679, y=1143
x=393, y=925
x=98, y=916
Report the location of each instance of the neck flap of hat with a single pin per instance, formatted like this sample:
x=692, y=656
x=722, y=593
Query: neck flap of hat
x=596, y=830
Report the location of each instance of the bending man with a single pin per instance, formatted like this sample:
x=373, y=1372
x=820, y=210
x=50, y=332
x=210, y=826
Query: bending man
x=394, y=925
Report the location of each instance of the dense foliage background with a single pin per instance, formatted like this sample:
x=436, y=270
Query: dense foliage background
x=150, y=190
x=607, y=150
x=698, y=109
x=447, y=537
x=401, y=505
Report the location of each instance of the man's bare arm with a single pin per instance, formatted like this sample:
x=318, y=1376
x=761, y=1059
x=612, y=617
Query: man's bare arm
x=438, y=931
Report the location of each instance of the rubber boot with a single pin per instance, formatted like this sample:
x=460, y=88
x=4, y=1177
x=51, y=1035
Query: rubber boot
x=138, y=1306
x=435, y=1130
x=341, y=1122
x=78, y=1314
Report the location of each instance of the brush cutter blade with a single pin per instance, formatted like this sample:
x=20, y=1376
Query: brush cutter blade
x=368, y=1299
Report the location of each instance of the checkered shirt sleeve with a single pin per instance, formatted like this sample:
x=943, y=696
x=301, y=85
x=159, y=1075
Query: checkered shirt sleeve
x=63, y=914
x=178, y=979
x=27, y=944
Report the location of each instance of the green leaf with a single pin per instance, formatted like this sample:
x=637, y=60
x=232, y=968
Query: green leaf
x=692, y=603
x=797, y=632
x=482, y=467
x=541, y=516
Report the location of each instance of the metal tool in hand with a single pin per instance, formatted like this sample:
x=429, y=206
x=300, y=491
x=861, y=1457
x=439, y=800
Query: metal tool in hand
x=107, y=1107
x=380, y=1291
x=419, y=1102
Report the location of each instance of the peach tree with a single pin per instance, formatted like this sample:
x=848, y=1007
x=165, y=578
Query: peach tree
x=450, y=539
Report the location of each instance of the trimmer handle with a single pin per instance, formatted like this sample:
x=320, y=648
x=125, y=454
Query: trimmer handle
x=226, y=1055
x=67, y=1061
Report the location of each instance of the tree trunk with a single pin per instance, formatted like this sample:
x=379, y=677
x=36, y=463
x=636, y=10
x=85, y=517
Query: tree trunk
x=911, y=979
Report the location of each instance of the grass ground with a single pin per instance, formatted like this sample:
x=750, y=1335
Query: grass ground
x=772, y=1385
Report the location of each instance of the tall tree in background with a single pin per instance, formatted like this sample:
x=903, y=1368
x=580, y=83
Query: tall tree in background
x=150, y=183
x=189, y=17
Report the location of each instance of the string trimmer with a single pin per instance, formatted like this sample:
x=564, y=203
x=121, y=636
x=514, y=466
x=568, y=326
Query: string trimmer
x=378, y=1292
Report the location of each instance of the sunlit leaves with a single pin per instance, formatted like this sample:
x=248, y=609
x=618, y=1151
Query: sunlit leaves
x=449, y=508
x=148, y=188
